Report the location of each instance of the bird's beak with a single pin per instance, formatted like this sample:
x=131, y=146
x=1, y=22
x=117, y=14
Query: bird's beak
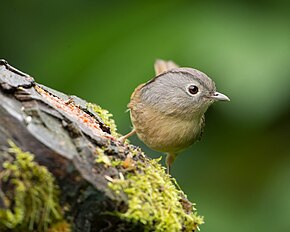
x=219, y=97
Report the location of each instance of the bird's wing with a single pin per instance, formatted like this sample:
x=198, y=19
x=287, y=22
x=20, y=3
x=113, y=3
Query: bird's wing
x=162, y=66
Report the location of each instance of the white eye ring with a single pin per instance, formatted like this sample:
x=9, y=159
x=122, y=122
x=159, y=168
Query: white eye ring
x=192, y=89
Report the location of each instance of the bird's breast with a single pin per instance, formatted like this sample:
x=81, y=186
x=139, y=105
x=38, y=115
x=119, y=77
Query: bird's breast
x=162, y=132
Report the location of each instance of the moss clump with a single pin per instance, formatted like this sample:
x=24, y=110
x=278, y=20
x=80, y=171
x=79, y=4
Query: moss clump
x=154, y=200
x=31, y=196
x=106, y=116
x=103, y=158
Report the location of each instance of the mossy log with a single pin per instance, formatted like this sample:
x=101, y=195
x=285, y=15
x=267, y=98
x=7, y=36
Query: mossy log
x=62, y=168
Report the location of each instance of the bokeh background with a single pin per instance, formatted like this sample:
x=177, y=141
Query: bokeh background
x=239, y=174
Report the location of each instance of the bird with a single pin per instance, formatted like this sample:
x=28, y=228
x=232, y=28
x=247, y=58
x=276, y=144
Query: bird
x=168, y=111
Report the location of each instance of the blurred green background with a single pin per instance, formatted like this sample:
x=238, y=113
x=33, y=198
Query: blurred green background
x=239, y=174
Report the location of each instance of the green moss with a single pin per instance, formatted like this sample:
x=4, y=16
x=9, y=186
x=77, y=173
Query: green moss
x=106, y=116
x=31, y=195
x=102, y=157
x=154, y=199
x=106, y=160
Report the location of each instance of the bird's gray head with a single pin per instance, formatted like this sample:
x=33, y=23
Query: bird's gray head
x=184, y=92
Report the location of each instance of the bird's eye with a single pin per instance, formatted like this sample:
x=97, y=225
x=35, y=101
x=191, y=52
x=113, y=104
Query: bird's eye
x=192, y=89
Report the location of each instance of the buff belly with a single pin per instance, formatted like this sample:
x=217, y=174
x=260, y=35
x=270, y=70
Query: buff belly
x=165, y=133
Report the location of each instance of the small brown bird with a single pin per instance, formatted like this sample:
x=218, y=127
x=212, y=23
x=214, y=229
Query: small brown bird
x=167, y=112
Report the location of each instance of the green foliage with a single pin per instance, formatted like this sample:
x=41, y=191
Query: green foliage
x=154, y=200
x=31, y=196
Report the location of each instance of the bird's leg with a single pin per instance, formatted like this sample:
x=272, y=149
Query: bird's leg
x=124, y=137
x=169, y=161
